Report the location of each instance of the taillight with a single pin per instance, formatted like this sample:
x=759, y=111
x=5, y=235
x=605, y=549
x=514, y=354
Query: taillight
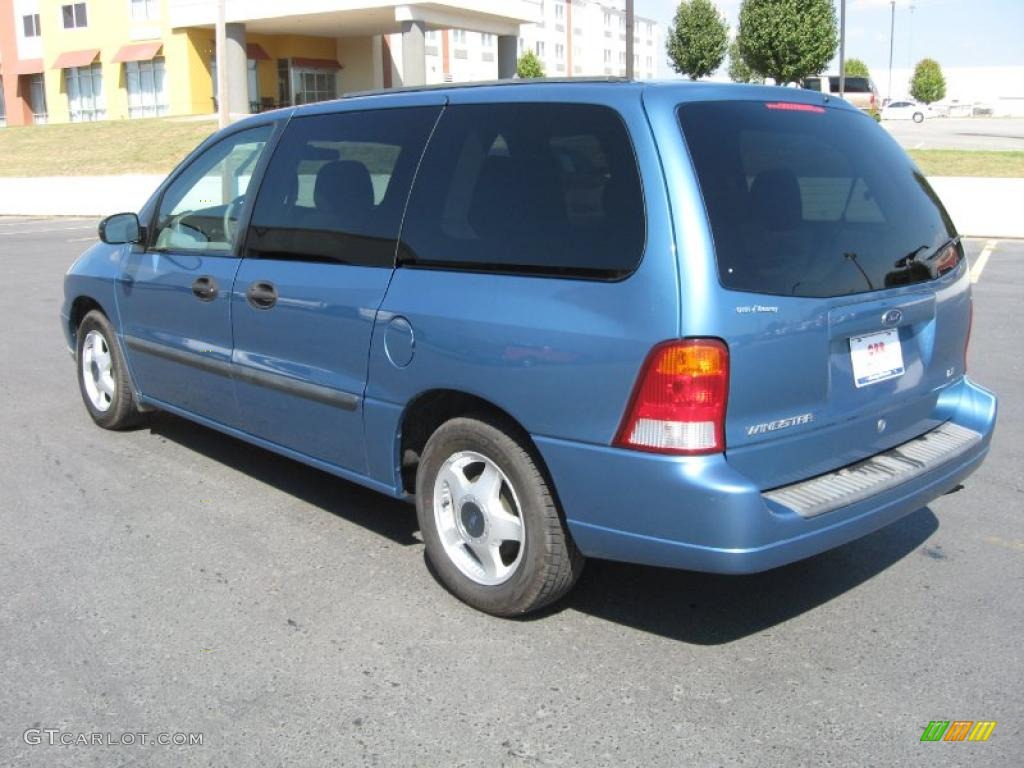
x=678, y=405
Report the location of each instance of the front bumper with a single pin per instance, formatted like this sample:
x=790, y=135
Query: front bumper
x=698, y=513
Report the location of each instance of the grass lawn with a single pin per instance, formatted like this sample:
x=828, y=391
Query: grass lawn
x=108, y=147
x=958, y=162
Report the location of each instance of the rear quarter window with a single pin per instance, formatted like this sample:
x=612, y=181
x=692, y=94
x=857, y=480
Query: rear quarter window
x=528, y=188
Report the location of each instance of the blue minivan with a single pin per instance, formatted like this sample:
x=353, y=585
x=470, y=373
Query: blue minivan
x=701, y=326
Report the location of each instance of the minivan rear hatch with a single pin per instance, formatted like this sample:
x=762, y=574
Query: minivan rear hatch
x=844, y=300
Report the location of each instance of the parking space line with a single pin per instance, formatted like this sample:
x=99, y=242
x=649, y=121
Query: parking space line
x=979, y=265
x=43, y=231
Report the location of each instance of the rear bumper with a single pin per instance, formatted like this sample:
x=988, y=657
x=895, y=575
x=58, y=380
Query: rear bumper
x=699, y=513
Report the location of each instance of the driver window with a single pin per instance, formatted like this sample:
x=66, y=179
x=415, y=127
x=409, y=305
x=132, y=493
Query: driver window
x=200, y=209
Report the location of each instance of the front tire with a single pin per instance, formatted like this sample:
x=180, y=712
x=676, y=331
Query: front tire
x=103, y=376
x=493, y=532
x=918, y=117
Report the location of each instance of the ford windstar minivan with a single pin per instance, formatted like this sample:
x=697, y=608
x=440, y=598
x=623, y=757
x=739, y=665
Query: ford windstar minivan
x=702, y=326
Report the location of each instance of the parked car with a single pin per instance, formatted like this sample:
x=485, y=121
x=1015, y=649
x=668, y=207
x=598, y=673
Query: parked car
x=907, y=110
x=859, y=91
x=700, y=326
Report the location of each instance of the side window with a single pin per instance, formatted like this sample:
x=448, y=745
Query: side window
x=199, y=211
x=337, y=186
x=535, y=188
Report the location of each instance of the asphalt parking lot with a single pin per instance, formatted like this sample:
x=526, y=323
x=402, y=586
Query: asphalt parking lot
x=959, y=133
x=173, y=580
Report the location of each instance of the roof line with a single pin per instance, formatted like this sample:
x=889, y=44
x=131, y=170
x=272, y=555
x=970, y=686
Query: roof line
x=486, y=84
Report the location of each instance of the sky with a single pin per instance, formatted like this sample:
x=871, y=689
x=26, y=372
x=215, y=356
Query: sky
x=956, y=33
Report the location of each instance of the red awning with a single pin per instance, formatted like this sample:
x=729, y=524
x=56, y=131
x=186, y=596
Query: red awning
x=255, y=52
x=316, y=63
x=29, y=67
x=138, y=52
x=76, y=58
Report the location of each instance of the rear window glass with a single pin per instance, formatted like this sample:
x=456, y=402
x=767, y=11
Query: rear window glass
x=809, y=201
x=536, y=188
x=852, y=84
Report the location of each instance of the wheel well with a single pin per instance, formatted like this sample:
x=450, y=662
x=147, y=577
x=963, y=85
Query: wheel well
x=80, y=307
x=432, y=409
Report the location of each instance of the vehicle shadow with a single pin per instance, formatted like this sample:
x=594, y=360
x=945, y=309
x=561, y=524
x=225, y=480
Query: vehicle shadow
x=394, y=520
x=710, y=609
x=698, y=608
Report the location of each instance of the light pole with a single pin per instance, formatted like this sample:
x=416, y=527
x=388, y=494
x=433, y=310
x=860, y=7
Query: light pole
x=842, y=48
x=629, y=39
x=910, y=38
x=892, y=28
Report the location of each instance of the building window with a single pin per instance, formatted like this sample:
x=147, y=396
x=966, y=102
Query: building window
x=74, y=16
x=31, y=25
x=37, y=98
x=144, y=10
x=607, y=56
x=313, y=85
x=559, y=51
x=559, y=10
x=459, y=36
x=607, y=19
x=487, y=40
x=540, y=48
x=85, y=93
x=147, y=95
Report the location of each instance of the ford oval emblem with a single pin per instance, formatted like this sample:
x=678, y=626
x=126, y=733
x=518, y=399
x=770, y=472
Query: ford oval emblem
x=892, y=317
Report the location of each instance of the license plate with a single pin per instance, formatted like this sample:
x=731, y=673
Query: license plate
x=876, y=357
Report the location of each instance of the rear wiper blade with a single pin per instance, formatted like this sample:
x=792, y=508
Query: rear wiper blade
x=912, y=256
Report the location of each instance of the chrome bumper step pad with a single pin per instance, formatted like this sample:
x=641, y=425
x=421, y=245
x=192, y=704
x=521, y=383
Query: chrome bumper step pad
x=810, y=498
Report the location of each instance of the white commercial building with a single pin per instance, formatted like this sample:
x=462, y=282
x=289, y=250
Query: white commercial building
x=572, y=38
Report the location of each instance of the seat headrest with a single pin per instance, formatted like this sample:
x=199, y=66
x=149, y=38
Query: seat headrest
x=775, y=199
x=343, y=188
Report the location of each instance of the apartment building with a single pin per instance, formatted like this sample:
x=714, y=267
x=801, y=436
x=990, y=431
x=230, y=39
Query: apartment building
x=572, y=38
x=65, y=61
x=68, y=61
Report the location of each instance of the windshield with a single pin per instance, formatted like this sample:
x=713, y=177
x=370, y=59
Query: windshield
x=812, y=201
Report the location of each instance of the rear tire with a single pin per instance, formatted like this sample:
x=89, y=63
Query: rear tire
x=493, y=532
x=103, y=375
x=918, y=117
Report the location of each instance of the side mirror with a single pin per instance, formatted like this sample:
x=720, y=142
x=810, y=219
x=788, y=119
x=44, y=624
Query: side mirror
x=121, y=228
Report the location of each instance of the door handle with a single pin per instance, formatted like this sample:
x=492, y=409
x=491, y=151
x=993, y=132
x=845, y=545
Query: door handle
x=261, y=295
x=205, y=288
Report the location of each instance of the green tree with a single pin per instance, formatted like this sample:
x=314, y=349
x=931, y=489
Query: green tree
x=529, y=66
x=787, y=40
x=927, y=84
x=697, y=39
x=739, y=72
x=857, y=68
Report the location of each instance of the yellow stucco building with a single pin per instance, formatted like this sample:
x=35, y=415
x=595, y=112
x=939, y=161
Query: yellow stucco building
x=66, y=61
